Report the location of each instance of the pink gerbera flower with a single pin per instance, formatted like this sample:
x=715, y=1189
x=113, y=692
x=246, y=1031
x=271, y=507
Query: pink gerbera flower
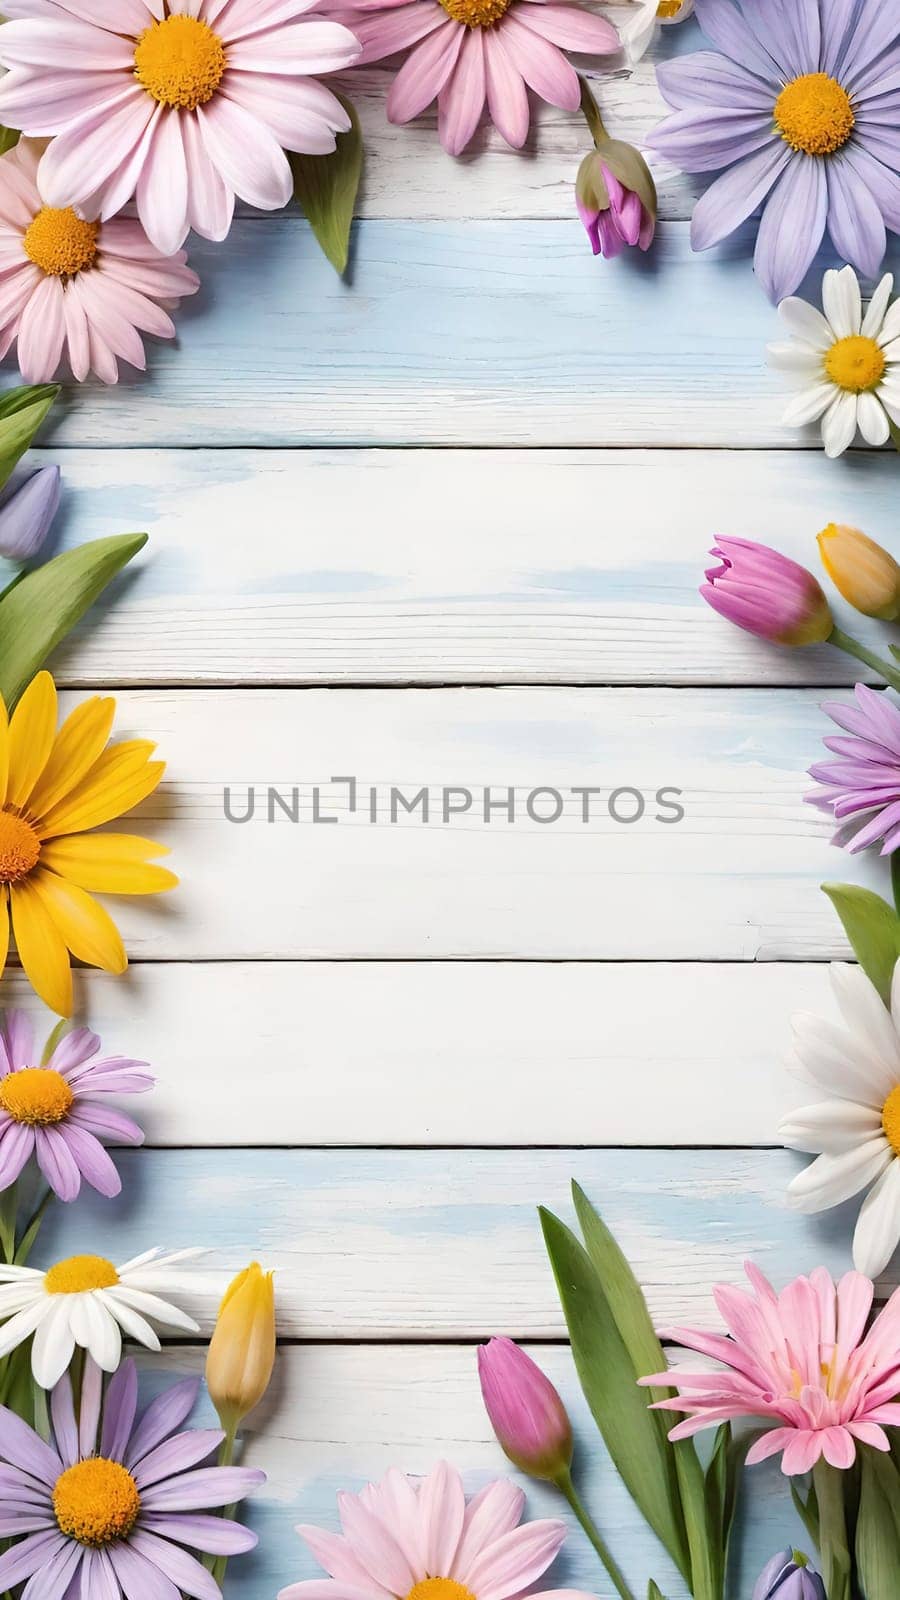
x=802, y=1358
x=468, y=52
x=84, y=289
x=183, y=103
x=423, y=1542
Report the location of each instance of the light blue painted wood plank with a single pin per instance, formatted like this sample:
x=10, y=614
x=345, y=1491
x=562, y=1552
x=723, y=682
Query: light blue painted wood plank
x=435, y=1243
x=503, y=333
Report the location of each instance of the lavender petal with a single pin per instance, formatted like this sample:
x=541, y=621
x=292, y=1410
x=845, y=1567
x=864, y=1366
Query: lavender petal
x=185, y=1572
x=166, y=1413
x=119, y=1412
x=177, y=1454
x=215, y=1536
x=203, y=1490
x=792, y=227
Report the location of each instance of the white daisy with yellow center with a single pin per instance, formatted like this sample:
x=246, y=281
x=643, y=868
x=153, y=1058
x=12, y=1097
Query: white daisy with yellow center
x=845, y=363
x=855, y=1132
x=638, y=31
x=87, y=1302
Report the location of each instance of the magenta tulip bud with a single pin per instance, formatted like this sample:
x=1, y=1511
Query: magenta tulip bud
x=26, y=514
x=767, y=593
x=616, y=198
x=526, y=1413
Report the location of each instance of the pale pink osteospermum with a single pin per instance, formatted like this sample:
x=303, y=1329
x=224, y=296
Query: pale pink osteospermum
x=801, y=1359
x=183, y=104
x=468, y=53
x=423, y=1541
x=81, y=290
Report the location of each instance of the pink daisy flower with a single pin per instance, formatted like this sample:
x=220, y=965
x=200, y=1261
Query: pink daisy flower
x=471, y=52
x=183, y=103
x=84, y=289
x=802, y=1359
x=423, y=1542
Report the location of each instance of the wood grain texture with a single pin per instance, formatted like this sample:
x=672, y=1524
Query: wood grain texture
x=419, y=1244
x=455, y=333
x=455, y=1053
x=338, y=1417
x=384, y=566
x=736, y=879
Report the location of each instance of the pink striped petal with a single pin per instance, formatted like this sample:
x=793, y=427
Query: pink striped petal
x=301, y=113
x=308, y=47
x=461, y=100
x=507, y=96
x=541, y=64
x=385, y=32
x=41, y=332
x=78, y=162
x=66, y=44
x=570, y=27
x=162, y=188
x=424, y=72
x=249, y=160
x=210, y=201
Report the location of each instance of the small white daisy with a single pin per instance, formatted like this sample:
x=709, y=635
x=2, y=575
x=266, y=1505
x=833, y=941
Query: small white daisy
x=846, y=364
x=87, y=1302
x=855, y=1133
x=639, y=31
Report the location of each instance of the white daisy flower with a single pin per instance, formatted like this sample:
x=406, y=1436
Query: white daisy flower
x=845, y=364
x=639, y=32
x=87, y=1302
x=855, y=1133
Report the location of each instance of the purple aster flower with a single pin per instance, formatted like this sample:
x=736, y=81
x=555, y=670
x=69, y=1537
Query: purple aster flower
x=802, y=107
x=862, y=788
x=55, y=1109
x=106, y=1510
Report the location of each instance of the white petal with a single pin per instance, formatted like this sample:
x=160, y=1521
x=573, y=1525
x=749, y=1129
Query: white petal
x=842, y=300
x=865, y=1013
x=830, y=1180
x=840, y=1064
x=793, y=355
x=806, y=322
x=808, y=406
x=831, y=1127
x=878, y=1229
x=54, y=1344
x=873, y=422
x=877, y=307
x=839, y=425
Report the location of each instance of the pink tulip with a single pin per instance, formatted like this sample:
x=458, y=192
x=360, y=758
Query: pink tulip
x=526, y=1412
x=767, y=594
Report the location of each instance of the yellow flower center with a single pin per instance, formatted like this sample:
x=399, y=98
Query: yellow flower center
x=78, y=1274
x=475, y=14
x=815, y=114
x=36, y=1095
x=669, y=8
x=60, y=242
x=180, y=61
x=890, y=1120
x=855, y=364
x=96, y=1502
x=439, y=1589
x=20, y=847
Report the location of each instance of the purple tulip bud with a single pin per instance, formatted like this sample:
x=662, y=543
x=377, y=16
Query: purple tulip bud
x=788, y=1576
x=767, y=593
x=526, y=1412
x=616, y=198
x=27, y=513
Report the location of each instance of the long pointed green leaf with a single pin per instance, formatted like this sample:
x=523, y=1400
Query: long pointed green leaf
x=325, y=188
x=877, y=1533
x=21, y=413
x=39, y=611
x=873, y=928
x=608, y=1378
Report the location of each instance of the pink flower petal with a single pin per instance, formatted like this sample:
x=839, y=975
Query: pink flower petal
x=385, y=32
x=461, y=100
x=249, y=160
x=41, y=332
x=301, y=113
x=495, y=1510
x=108, y=320
x=374, y=1545
x=49, y=102
x=506, y=93
x=424, y=72
x=78, y=162
x=64, y=44
x=307, y=47
x=516, y=1560
x=241, y=18
x=162, y=190
x=210, y=202
x=77, y=336
x=570, y=27
x=541, y=64
x=442, y=1508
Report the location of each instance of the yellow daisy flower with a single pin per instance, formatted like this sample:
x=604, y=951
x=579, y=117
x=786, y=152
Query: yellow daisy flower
x=54, y=787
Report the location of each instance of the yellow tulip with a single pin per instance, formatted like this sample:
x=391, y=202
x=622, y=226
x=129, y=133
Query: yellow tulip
x=864, y=573
x=242, y=1349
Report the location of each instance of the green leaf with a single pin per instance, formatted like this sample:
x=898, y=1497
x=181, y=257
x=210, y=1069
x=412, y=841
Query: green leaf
x=39, y=611
x=873, y=928
x=807, y=1510
x=877, y=1533
x=608, y=1375
x=9, y=138
x=654, y=1592
x=325, y=188
x=21, y=413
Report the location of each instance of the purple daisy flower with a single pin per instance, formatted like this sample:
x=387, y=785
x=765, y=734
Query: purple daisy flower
x=50, y=1111
x=105, y=1511
x=802, y=107
x=862, y=788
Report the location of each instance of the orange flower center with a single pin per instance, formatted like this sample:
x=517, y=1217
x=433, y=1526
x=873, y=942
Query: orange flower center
x=180, y=62
x=815, y=114
x=20, y=847
x=475, y=14
x=36, y=1095
x=60, y=242
x=856, y=364
x=96, y=1502
x=80, y=1274
x=439, y=1589
x=890, y=1120
x=669, y=8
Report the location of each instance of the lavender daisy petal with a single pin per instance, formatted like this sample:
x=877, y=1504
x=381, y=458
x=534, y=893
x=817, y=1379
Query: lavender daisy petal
x=198, y=1491
x=795, y=29
x=57, y=1163
x=65, y=1427
x=52, y=1581
x=98, y=1580
x=855, y=221
x=105, y=1122
x=856, y=784
x=733, y=197
x=30, y=1556
x=91, y=1403
x=16, y=1145
x=112, y=1075
x=792, y=227
x=92, y=1161
x=18, y=1035
x=705, y=138
x=838, y=18
x=164, y=1414
x=709, y=79
x=185, y=1572
x=876, y=32
x=21, y=1447
x=726, y=28
x=140, y=1580
x=119, y=1412
x=73, y=1050
x=215, y=1536
x=177, y=1454
x=882, y=183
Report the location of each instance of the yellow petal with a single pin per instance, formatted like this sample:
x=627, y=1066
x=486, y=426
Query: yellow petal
x=88, y=930
x=108, y=863
x=42, y=951
x=4, y=750
x=4, y=924
x=78, y=744
x=123, y=776
x=31, y=734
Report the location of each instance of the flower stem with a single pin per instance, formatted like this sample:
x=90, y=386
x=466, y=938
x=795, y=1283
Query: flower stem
x=565, y=1484
x=226, y=1459
x=834, y=1556
x=592, y=117
x=895, y=433
x=852, y=647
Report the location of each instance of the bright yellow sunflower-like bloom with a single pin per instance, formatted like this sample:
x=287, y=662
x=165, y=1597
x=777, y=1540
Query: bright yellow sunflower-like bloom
x=55, y=786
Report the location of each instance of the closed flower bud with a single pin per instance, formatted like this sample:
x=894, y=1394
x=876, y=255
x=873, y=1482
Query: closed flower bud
x=864, y=574
x=241, y=1351
x=767, y=593
x=26, y=514
x=526, y=1413
x=788, y=1576
x=616, y=198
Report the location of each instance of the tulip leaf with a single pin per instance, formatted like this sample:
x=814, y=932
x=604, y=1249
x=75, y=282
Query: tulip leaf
x=21, y=413
x=873, y=928
x=43, y=607
x=877, y=1532
x=608, y=1376
x=654, y=1592
x=325, y=188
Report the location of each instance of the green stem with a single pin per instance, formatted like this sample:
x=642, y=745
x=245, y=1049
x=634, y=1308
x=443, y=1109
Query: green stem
x=565, y=1484
x=591, y=113
x=834, y=1556
x=226, y=1458
x=895, y=433
x=852, y=647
